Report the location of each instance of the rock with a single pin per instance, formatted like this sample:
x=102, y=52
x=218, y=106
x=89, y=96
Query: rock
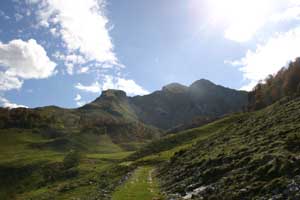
x=199, y=192
x=243, y=190
x=174, y=197
x=276, y=197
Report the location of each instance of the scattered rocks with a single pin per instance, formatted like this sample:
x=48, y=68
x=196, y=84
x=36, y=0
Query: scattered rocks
x=199, y=192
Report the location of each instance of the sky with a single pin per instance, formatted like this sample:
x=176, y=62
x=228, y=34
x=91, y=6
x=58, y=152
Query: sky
x=65, y=53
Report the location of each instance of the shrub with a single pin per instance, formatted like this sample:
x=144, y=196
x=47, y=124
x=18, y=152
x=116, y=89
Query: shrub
x=71, y=160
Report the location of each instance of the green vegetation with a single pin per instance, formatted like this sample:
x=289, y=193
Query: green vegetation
x=285, y=83
x=141, y=185
x=72, y=159
x=183, y=139
x=251, y=156
x=34, y=166
x=103, y=151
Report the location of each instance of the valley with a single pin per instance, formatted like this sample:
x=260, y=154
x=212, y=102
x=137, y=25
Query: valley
x=104, y=150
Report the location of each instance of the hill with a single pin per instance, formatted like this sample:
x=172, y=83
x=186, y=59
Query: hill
x=285, y=83
x=243, y=156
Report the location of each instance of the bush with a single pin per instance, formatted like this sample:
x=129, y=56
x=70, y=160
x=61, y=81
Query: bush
x=71, y=160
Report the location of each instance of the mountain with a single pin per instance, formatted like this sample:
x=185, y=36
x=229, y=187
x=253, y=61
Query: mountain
x=176, y=104
x=130, y=120
x=57, y=153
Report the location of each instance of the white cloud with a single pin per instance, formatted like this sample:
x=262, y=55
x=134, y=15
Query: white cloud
x=274, y=51
x=78, y=100
x=26, y=60
x=291, y=12
x=80, y=103
x=21, y=60
x=71, y=61
x=70, y=68
x=117, y=83
x=9, y=83
x=93, y=88
x=270, y=57
x=83, y=70
x=127, y=85
x=82, y=26
x=7, y=104
x=78, y=97
x=54, y=32
x=242, y=20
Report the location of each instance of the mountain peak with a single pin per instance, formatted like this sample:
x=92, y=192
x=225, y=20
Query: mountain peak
x=114, y=93
x=202, y=83
x=174, y=87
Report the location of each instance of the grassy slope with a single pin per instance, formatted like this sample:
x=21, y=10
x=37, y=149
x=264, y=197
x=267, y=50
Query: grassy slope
x=28, y=157
x=23, y=167
x=163, y=149
x=245, y=156
x=142, y=185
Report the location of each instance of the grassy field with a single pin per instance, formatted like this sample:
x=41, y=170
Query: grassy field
x=27, y=160
x=142, y=185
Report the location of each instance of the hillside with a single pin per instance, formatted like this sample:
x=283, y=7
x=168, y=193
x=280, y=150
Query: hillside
x=285, y=82
x=244, y=156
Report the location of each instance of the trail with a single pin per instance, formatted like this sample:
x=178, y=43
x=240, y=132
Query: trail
x=142, y=185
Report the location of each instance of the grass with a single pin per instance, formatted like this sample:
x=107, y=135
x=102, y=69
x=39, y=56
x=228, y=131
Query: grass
x=110, y=156
x=165, y=148
x=15, y=149
x=253, y=155
x=142, y=185
x=26, y=164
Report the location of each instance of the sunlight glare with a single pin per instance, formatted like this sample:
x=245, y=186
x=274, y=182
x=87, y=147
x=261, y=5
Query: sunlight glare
x=241, y=18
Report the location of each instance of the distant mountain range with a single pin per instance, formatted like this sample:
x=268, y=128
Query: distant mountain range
x=177, y=104
x=174, y=105
x=140, y=118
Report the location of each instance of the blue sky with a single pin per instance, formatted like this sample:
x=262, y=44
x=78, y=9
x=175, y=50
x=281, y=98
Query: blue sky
x=65, y=53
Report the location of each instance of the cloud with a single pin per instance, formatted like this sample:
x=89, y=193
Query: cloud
x=78, y=97
x=78, y=100
x=243, y=20
x=82, y=26
x=127, y=85
x=26, y=60
x=292, y=12
x=273, y=51
x=21, y=60
x=93, y=88
x=270, y=57
x=117, y=83
x=7, y=104
x=9, y=83
x=83, y=70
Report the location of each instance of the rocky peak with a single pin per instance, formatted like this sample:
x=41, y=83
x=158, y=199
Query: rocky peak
x=113, y=93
